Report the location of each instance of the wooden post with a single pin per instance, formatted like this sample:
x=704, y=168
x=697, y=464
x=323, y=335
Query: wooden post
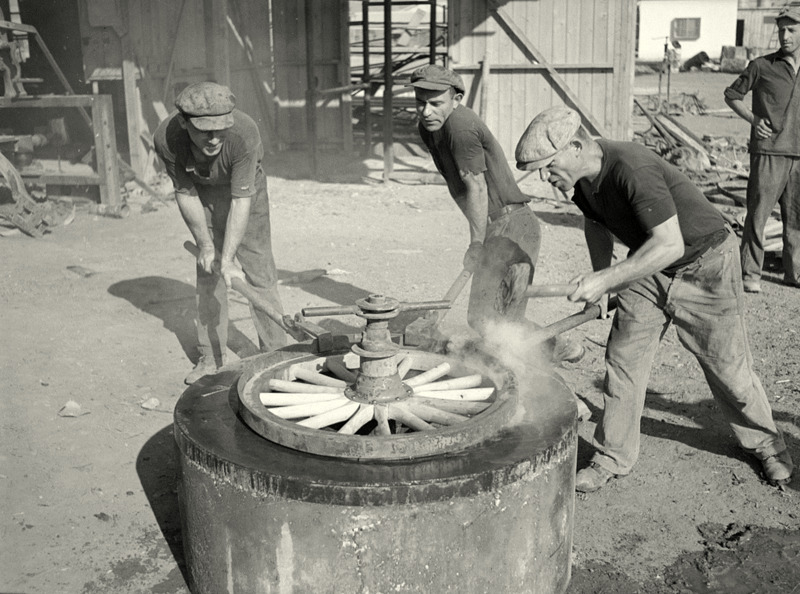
x=105, y=145
x=388, y=131
x=217, y=45
x=138, y=157
x=366, y=78
x=311, y=87
x=485, y=71
x=433, y=33
x=345, y=100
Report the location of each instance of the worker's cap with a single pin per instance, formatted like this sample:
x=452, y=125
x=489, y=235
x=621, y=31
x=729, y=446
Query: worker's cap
x=790, y=12
x=548, y=133
x=436, y=78
x=207, y=105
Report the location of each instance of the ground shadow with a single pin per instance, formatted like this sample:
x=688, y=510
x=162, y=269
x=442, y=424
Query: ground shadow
x=173, y=302
x=157, y=467
x=712, y=433
x=344, y=294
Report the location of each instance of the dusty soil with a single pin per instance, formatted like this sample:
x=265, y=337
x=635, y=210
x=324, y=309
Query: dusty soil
x=100, y=313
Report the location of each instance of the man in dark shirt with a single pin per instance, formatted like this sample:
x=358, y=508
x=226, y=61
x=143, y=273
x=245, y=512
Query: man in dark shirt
x=774, y=149
x=682, y=269
x=212, y=153
x=504, y=231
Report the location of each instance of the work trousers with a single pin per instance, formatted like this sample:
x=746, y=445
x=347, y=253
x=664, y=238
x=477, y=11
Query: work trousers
x=255, y=256
x=773, y=179
x=705, y=302
x=512, y=239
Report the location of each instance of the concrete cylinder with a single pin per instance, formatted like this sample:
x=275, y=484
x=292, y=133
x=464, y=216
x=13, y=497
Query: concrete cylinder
x=261, y=518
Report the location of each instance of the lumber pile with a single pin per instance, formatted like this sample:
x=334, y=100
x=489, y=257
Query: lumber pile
x=713, y=164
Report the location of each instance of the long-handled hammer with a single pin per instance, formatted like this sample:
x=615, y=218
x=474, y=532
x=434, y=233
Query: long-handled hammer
x=422, y=331
x=286, y=322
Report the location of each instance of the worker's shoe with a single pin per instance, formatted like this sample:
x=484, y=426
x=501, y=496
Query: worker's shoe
x=592, y=478
x=778, y=468
x=752, y=286
x=791, y=283
x=205, y=366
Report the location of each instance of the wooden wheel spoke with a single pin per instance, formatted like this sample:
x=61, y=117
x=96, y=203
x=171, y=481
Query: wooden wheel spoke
x=279, y=385
x=458, y=383
x=331, y=417
x=398, y=412
x=290, y=398
x=382, y=417
x=299, y=411
x=431, y=375
x=404, y=365
x=460, y=407
x=469, y=394
x=364, y=415
x=316, y=378
x=337, y=367
x=432, y=414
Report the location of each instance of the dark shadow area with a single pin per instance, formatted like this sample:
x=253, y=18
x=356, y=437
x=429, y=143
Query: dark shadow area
x=157, y=467
x=713, y=434
x=173, y=302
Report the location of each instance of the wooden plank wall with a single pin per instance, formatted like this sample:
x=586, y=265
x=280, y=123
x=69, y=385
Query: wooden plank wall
x=230, y=42
x=760, y=30
x=331, y=67
x=597, y=33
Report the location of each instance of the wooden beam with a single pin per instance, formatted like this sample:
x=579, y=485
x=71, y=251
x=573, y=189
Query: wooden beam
x=517, y=34
x=388, y=124
x=311, y=87
x=133, y=117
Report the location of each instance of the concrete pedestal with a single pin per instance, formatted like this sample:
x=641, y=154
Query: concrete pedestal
x=258, y=517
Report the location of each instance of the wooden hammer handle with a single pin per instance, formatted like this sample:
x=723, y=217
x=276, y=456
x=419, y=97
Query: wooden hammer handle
x=550, y=290
x=249, y=292
x=570, y=322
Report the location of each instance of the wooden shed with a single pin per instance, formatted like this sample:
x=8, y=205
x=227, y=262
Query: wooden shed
x=517, y=57
x=541, y=53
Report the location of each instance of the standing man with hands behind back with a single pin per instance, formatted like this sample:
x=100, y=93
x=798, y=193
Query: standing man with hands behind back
x=682, y=269
x=504, y=232
x=213, y=152
x=774, y=149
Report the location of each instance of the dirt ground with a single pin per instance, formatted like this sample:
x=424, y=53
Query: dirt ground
x=99, y=313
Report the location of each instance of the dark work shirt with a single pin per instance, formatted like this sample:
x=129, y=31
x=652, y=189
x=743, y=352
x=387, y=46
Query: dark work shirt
x=235, y=172
x=637, y=190
x=776, y=97
x=465, y=143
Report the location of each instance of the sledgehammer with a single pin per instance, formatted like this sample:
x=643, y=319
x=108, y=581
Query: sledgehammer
x=422, y=331
x=547, y=332
x=286, y=323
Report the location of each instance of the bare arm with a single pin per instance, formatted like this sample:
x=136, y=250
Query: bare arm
x=763, y=126
x=663, y=246
x=238, y=216
x=475, y=205
x=195, y=218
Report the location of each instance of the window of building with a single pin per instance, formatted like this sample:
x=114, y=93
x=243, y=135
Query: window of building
x=685, y=29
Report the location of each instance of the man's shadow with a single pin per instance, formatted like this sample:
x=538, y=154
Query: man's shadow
x=712, y=433
x=173, y=302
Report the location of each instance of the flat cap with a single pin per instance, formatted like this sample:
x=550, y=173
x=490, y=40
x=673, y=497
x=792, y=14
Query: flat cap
x=548, y=133
x=789, y=12
x=208, y=105
x=436, y=78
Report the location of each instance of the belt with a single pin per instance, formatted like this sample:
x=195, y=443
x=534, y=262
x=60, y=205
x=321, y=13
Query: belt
x=507, y=209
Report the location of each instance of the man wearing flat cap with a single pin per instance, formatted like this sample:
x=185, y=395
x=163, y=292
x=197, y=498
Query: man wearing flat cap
x=213, y=152
x=774, y=150
x=682, y=269
x=504, y=232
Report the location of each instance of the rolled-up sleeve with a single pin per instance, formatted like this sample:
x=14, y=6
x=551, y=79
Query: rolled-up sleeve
x=744, y=83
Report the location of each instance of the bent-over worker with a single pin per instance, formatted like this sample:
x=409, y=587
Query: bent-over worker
x=213, y=153
x=504, y=232
x=774, y=150
x=682, y=269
